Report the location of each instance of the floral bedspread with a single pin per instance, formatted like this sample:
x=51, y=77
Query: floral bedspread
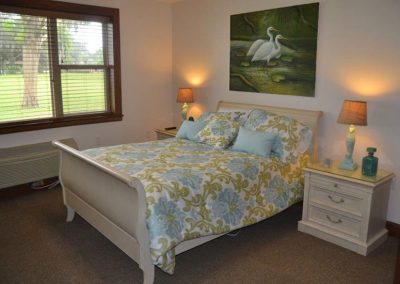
x=194, y=190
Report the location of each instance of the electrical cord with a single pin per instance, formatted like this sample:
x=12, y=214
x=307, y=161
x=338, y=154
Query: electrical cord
x=234, y=233
x=47, y=186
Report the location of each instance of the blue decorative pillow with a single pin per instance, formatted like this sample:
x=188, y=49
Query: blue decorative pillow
x=293, y=137
x=189, y=129
x=218, y=133
x=254, y=142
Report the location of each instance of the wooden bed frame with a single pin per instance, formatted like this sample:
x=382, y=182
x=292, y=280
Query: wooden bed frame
x=115, y=203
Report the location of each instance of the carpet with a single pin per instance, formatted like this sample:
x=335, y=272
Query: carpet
x=38, y=246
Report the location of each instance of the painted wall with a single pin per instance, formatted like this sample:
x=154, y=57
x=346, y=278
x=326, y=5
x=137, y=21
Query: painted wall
x=358, y=58
x=146, y=59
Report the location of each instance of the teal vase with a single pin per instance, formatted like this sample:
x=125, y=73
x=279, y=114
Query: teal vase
x=370, y=163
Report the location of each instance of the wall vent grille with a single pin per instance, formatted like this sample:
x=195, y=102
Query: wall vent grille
x=28, y=163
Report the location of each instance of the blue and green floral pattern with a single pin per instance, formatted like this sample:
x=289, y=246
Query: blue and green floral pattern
x=237, y=116
x=218, y=133
x=194, y=190
x=291, y=133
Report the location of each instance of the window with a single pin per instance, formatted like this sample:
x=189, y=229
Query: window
x=59, y=65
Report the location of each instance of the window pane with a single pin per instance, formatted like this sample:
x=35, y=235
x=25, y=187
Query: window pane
x=83, y=91
x=25, y=91
x=110, y=36
x=80, y=42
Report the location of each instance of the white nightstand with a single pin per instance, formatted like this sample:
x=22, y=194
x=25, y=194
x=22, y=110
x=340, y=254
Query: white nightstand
x=345, y=207
x=164, y=134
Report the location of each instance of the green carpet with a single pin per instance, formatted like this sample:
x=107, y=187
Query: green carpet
x=38, y=246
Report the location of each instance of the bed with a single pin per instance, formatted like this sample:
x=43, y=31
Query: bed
x=122, y=189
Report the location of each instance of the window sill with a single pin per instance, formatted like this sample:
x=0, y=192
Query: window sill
x=30, y=125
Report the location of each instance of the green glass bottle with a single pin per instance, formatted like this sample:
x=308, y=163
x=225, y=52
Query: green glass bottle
x=370, y=163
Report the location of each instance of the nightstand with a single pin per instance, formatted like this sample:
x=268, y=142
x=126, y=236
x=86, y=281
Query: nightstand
x=164, y=134
x=345, y=207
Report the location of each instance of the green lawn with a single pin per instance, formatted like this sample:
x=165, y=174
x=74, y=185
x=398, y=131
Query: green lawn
x=82, y=92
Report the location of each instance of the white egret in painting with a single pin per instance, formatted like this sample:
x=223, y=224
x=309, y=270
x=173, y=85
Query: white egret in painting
x=259, y=42
x=276, y=52
x=268, y=52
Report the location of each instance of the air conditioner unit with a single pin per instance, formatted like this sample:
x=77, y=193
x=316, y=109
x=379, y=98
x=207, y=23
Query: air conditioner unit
x=28, y=163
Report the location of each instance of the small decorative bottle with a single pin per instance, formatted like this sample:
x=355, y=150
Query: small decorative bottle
x=370, y=163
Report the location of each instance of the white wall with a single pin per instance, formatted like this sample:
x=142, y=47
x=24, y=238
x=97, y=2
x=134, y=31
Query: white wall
x=358, y=58
x=146, y=59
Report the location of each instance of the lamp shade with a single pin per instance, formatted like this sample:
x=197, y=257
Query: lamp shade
x=185, y=95
x=353, y=112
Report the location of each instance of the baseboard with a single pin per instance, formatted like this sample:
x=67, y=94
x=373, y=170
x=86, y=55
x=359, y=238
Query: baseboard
x=393, y=228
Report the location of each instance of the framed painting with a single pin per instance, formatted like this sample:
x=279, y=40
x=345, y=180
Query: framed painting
x=274, y=51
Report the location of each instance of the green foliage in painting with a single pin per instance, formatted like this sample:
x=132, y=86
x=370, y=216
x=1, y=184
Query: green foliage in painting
x=274, y=51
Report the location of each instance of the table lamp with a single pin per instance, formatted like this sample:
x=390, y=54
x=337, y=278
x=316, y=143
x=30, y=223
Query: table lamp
x=185, y=96
x=352, y=113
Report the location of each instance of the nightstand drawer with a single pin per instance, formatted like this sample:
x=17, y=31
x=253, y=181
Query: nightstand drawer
x=336, y=185
x=347, y=203
x=335, y=221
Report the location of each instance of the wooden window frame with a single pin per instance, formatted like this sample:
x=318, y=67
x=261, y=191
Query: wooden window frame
x=72, y=11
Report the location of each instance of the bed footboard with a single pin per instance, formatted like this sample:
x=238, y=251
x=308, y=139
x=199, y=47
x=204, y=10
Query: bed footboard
x=115, y=204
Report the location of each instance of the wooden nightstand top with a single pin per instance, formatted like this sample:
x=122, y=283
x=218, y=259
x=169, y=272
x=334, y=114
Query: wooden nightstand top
x=171, y=132
x=354, y=176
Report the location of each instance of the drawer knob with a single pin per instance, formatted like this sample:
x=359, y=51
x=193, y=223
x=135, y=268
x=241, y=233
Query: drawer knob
x=335, y=185
x=341, y=200
x=333, y=221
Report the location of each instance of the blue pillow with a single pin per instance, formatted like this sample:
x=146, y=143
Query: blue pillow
x=189, y=129
x=254, y=142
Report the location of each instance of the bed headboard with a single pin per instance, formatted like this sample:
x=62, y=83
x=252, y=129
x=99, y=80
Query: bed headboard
x=311, y=118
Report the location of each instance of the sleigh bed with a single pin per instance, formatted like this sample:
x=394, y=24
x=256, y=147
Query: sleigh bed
x=117, y=190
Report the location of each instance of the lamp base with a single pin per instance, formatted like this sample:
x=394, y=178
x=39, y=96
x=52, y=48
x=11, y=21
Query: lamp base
x=185, y=108
x=348, y=165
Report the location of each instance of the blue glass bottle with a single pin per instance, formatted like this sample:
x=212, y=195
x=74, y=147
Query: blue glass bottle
x=370, y=163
